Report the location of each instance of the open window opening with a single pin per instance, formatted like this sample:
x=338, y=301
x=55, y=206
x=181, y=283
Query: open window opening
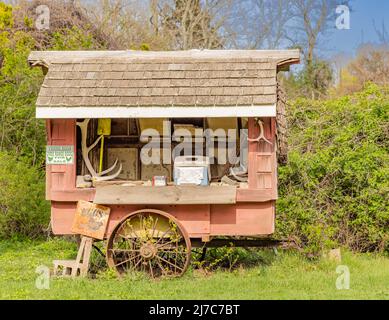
x=163, y=151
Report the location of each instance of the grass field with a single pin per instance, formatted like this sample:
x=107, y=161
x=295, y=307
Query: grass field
x=287, y=275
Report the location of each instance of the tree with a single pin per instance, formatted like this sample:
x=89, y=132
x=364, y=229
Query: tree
x=371, y=65
x=259, y=24
x=312, y=20
x=193, y=23
x=311, y=83
x=131, y=25
x=382, y=33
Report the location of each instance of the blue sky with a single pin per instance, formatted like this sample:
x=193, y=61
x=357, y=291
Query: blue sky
x=364, y=14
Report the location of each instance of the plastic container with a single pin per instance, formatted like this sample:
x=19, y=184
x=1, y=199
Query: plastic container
x=192, y=170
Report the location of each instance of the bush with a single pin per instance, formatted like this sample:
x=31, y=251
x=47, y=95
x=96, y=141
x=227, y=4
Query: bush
x=23, y=208
x=335, y=189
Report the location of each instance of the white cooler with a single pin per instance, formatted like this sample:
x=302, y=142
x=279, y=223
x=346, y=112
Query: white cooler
x=192, y=170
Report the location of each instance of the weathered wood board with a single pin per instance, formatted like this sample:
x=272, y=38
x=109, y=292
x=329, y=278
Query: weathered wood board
x=150, y=170
x=90, y=220
x=128, y=157
x=114, y=194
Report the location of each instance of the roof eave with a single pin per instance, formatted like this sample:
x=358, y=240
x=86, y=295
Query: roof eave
x=45, y=58
x=285, y=64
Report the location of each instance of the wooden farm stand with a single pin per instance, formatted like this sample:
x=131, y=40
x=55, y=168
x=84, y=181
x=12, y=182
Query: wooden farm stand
x=153, y=229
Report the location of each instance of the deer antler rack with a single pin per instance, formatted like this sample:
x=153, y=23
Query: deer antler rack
x=85, y=155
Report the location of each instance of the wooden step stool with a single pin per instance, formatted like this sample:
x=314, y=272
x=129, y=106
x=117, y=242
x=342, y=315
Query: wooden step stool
x=78, y=267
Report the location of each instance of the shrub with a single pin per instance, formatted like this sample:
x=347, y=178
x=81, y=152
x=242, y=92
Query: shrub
x=335, y=189
x=23, y=208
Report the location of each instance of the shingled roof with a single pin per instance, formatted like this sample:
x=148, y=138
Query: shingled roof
x=164, y=79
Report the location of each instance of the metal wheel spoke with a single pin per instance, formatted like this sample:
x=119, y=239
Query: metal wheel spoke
x=131, y=228
x=125, y=261
x=140, y=218
x=170, y=248
x=140, y=260
x=165, y=244
x=132, y=231
x=175, y=252
x=127, y=239
x=161, y=267
x=155, y=226
x=125, y=250
x=151, y=269
x=172, y=264
x=162, y=236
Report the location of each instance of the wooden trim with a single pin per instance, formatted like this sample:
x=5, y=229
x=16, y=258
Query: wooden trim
x=114, y=194
x=242, y=195
x=155, y=112
x=72, y=195
x=252, y=195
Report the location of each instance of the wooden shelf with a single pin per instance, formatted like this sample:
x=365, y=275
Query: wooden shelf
x=116, y=194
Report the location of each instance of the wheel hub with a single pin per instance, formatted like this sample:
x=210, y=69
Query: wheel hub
x=148, y=251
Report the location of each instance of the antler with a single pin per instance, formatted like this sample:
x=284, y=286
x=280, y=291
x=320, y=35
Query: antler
x=261, y=134
x=85, y=155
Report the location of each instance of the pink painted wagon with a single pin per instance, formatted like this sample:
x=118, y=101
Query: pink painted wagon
x=102, y=110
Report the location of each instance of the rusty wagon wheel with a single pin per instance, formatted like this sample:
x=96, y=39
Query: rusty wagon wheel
x=150, y=241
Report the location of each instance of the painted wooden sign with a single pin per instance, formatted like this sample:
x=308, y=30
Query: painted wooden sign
x=59, y=155
x=90, y=219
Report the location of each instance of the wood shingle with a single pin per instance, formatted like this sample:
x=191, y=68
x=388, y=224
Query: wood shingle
x=160, y=79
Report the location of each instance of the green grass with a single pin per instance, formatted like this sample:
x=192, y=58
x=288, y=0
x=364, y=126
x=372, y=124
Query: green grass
x=285, y=276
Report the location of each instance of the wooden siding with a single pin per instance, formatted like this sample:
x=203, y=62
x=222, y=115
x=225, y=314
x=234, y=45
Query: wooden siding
x=61, y=178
